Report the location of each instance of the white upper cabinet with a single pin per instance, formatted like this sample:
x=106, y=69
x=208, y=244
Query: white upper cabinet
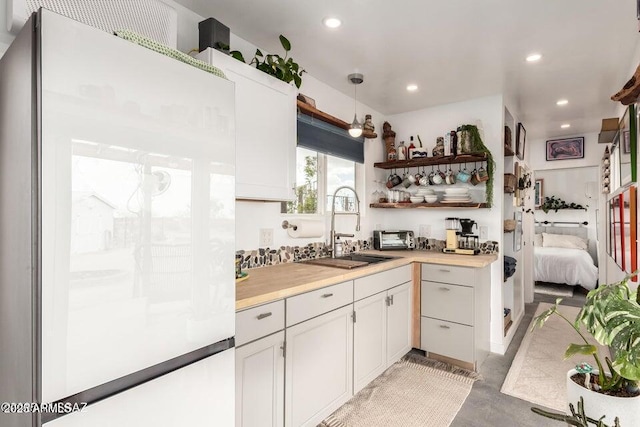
x=265, y=130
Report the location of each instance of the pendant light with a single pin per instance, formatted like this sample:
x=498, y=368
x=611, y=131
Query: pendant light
x=355, y=130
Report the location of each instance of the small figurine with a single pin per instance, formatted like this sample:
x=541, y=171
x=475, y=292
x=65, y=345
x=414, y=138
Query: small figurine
x=368, y=128
x=438, y=150
x=389, y=140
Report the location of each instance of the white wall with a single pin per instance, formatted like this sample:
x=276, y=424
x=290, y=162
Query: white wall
x=570, y=185
x=592, y=154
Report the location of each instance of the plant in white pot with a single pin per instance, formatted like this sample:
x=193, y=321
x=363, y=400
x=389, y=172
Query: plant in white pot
x=611, y=314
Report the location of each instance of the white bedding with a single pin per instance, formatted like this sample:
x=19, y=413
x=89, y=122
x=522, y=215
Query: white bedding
x=562, y=265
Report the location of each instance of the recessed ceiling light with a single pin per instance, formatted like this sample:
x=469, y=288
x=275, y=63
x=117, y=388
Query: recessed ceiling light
x=562, y=102
x=332, y=22
x=534, y=57
x=565, y=126
x=412, y=87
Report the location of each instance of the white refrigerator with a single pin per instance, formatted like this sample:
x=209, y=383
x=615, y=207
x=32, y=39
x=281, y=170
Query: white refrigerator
x=117, y=228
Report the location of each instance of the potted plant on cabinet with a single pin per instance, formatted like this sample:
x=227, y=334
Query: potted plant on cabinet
x=611, y=314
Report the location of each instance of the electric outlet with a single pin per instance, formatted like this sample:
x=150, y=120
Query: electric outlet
x=424, y=230
x=484, y=232
x=266, y=237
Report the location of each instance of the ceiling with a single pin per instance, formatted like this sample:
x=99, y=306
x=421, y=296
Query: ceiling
x=455, y=50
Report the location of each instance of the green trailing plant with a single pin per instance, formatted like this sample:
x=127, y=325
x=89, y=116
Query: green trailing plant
x=611, y=314
x=285, y=69
x=554, y=203
x=477, y=146
x=577, y=418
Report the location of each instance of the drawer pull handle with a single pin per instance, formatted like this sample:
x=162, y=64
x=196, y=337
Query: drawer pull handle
x=445, y=327
x=327, y=295
x=442, y=288
x=444, y=270
x=264, y=315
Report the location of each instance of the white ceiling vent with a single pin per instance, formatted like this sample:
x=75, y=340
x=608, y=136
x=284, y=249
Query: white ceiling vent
x=151, y=18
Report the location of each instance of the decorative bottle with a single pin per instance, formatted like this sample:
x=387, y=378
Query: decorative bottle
x=402, y=151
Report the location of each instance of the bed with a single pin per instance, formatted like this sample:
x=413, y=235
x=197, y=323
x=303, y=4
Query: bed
x=565, y=265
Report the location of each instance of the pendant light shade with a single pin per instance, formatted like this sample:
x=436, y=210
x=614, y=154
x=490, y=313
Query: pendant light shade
x=355, y=129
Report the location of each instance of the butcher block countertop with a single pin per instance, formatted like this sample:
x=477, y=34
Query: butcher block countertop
x=272, y=283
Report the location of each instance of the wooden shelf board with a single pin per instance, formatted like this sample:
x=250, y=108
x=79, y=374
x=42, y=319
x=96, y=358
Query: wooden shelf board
x=508, y=151
x=432, y=161
x=428, y=205
x=315, y=113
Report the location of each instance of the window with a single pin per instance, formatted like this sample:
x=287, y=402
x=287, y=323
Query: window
x=317, y=177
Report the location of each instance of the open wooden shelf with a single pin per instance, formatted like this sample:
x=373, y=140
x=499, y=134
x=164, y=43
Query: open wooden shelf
x=508, y=151
x=432, y=161
x=428, y=205
x=320, y=115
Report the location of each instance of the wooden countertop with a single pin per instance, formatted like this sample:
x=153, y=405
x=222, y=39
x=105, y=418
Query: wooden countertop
x=272, y=283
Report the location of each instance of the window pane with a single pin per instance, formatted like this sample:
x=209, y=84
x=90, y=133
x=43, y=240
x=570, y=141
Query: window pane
x=306, y=183
x=340, y=172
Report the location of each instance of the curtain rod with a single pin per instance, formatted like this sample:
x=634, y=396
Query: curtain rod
x=552, y=223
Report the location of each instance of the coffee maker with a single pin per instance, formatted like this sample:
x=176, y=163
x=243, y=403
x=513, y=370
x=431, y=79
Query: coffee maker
x=468, y=243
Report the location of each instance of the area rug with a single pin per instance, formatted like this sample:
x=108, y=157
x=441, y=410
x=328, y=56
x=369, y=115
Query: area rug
x=414, y=392
x=553, y=289
x=538, y=372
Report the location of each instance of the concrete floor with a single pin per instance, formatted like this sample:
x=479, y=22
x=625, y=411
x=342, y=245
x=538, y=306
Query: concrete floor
x=486, y=406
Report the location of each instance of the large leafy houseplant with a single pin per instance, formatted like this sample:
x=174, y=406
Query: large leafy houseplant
x=285, y=69
x=611, y=314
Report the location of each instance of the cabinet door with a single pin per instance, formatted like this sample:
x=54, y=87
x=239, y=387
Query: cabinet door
x=260, y=383
x=319, y=367
x=399, y=323
x=265, y=138
x=369, y=340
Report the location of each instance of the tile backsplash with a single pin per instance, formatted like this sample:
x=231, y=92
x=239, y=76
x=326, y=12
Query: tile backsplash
x=271, y=256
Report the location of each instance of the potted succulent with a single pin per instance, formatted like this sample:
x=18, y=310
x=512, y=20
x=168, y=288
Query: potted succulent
x=611, y=314
x=577, y=417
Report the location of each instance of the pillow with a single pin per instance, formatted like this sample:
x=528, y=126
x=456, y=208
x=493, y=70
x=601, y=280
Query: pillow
x=564, y=241
x=537, y=239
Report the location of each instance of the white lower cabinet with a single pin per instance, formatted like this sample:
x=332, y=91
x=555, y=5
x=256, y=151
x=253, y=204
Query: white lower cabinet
x=382, y=333
x=399, y=325
x=260, y=382
x=318, y=367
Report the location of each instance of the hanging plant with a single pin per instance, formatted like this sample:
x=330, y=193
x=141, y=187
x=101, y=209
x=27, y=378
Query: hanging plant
x=285, y=69
x=478, y=146
x=554, y=203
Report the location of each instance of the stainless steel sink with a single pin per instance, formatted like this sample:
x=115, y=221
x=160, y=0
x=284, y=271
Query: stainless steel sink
x=371, y=259
x=349, y=261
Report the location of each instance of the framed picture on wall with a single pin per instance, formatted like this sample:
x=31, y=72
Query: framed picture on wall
x=565, y=149
x=521, y=139
x=538, y=192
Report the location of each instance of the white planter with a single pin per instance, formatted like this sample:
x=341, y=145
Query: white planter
x=627, y=409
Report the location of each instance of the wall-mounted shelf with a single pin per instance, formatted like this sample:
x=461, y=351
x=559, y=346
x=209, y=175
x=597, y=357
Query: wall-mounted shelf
x=428, y=205
x=432, y=161
x=321, y=115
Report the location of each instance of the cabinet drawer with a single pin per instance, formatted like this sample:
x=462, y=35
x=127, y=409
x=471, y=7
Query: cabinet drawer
x=448, y=274
x=447, y=302
x=259, y=322
x=371, y=285
x=447, y=339
x=312, y=304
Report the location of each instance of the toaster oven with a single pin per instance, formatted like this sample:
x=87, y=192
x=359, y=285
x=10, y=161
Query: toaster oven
x=384, y=240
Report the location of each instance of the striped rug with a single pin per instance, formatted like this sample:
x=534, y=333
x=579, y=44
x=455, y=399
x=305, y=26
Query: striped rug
x=414, y=392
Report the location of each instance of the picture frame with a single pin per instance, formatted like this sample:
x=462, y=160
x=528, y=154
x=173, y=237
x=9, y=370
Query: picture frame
x=517, y=235
x=521, y=139
x=565, y=149
x=538, y=192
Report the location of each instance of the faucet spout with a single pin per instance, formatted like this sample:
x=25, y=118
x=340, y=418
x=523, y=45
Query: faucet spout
x=336, y=244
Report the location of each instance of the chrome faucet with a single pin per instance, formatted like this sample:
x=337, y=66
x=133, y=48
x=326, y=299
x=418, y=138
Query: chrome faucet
x=335, y=237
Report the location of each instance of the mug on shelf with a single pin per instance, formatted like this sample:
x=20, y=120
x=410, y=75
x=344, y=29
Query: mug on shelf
x=393, y=180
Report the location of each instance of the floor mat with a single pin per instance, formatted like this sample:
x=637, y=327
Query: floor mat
x=414, y=392
x=553, y=289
